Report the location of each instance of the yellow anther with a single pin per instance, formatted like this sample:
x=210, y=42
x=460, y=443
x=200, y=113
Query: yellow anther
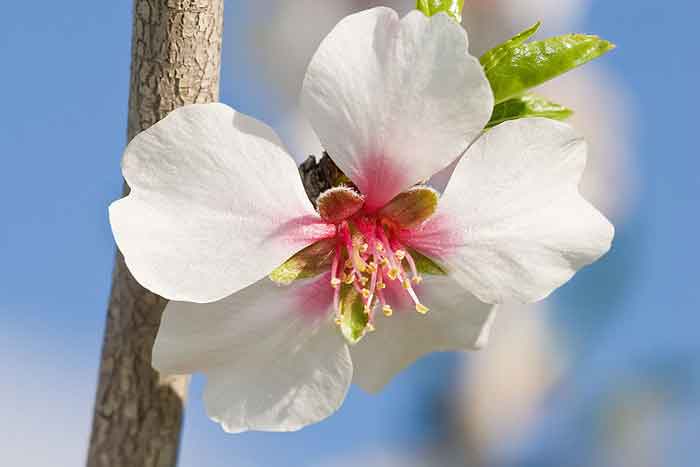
x=393, y=273
x=383, y=261
x=335, y=282
x=406, y=284
x=381, y=286
x=417, y=279
x=365, y=293
x=400, y=254
x=422, y=309
x=370, y=327
x=348, y=263
x=380, y=247
x=387, y=310
x=349, y=278
x=364, y=247
x=372, y=266
x=337, y=320
x=363, y=280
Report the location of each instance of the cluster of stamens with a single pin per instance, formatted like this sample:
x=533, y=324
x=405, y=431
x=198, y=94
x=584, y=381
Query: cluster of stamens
x=368, y=259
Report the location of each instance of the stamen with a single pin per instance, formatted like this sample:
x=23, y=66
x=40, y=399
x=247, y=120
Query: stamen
x=400, y=254
x=335, y=282
x=412, y=264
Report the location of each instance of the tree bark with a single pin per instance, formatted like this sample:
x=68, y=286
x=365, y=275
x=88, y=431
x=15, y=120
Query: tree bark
x=176, y=57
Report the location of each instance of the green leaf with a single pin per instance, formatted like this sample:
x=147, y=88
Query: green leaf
x=451, y=7
x=528, y=105
x=515, y=66
x=425, y=265
x=353, y=321
x=309, y=262
x=493, y=56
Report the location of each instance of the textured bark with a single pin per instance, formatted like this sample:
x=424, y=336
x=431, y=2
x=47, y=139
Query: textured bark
x=176, y=50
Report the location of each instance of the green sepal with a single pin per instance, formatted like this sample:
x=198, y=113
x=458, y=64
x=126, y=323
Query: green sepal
x=411, y=207
x=516, y=66
x=309, y=262
x=353, y=319
x=451, y=7
x=425, y=265
x=528, y=105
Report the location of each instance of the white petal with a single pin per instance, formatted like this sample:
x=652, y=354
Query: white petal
x=274, y=359
x=394, y=101
x=456, y=321
x=216, y=204
x=517, y=226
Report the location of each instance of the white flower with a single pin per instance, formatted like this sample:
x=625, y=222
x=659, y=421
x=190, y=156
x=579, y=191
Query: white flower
x=216, y=206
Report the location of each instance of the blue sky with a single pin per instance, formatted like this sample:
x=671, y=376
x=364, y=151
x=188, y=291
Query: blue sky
x=65, y=78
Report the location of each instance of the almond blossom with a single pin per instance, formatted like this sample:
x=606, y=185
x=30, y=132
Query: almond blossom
x=282, y=305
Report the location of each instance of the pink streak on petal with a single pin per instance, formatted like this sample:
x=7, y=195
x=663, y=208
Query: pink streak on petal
x=380, y=180
x=314, y=299
x=303, y=231
x=438, y=237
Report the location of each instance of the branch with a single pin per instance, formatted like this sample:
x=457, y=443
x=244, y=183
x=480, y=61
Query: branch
x=176, y=50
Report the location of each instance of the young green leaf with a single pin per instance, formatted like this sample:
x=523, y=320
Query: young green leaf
x=451, y=7
x=516, y=66
x=528, y=105
x=493, y=56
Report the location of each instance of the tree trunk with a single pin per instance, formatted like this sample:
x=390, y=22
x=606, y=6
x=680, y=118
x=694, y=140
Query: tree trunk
x=176, y=57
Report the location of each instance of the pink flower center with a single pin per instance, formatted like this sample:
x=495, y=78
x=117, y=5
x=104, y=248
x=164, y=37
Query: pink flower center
x=369, y=256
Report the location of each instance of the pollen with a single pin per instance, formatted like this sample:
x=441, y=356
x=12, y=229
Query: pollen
x=393, y=273
x=422, y=309
x=387, y=310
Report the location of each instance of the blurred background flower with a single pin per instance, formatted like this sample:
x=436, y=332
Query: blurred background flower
x=605, y=373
